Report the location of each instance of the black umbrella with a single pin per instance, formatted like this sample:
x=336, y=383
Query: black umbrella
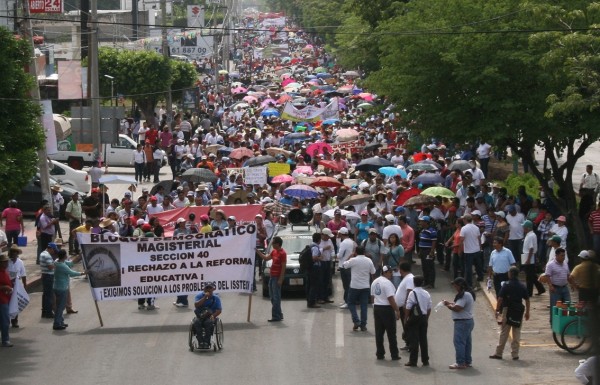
x=166, y=184
x=259, y=161
x=373, y=164
x=371, y=147
x=428, y=179
x=461, y=165
x=199, y=175
x=431, y=162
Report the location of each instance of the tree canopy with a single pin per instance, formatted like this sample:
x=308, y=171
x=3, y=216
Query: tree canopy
x=144, y=76
x=22, y=135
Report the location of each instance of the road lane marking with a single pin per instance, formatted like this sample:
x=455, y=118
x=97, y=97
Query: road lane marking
x=339, y=333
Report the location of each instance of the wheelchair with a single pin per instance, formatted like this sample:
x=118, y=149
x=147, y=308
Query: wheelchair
x=216, y=340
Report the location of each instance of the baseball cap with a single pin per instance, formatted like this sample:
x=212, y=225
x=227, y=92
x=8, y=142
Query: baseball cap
x=127, y=193
x=140, y=222
x=372, y=231
x=386, y=268
x=556, y=238
x=425, y=218
x=476, y=212
x=180, y=220
x=389, y=218
x=327, y=232
x=231, y=218
x=364, y=212
x=528, y=224
x=561, y=219
x=583, y=254
x=500, y=214
x=204, y=217
x=145, y=189
x=53, y=246
x=337, y=211
x=153, y=199
x=343, y=230
x=146, y=227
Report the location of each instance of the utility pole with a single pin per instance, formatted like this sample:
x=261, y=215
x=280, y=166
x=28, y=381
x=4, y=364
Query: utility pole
x=165, y=50
x=35, y=94
x=226, y=34
x=94, y=81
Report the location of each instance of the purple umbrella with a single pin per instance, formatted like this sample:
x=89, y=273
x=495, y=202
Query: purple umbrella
x=266, y=102
x=301, y=191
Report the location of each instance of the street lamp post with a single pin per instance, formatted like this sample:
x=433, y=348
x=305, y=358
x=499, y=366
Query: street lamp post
x=112, y=88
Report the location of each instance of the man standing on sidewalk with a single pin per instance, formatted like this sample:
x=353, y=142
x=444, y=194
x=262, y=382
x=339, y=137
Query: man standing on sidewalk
x=510, y=304
x=345, y=250
x=277, y=274
x=73, y=213
x=470, y=246
x=361, y=269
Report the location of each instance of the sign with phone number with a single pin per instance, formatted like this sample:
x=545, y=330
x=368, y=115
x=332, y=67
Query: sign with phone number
x=45, y=6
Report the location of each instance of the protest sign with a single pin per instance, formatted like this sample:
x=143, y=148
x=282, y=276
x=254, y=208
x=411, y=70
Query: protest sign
x=128, y=267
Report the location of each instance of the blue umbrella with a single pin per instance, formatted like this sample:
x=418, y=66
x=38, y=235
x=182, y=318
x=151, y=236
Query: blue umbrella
x=301, y=191
x=324, y=75
x=330, y=121
x=393, y=171
x=428, y=179
x=310, y=77
x=270, y=112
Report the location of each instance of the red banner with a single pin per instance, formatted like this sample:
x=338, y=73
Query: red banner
x=244, y=214
x=45, y=6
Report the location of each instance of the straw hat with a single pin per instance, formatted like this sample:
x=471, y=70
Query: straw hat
x=56, y=188
x=15, y=249
x=107, y=222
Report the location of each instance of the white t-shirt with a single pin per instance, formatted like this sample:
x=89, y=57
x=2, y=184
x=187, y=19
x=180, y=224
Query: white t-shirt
x=345, y=250
x=530, y=242
x=562, y=232
x=424, y=298
x=392, y=229
x=381, y=289
x=406, y=284
x=516, y=225
x=361, y=269
x=483, y=151
x=154, y=210
x=471, y=235
x=16, y=269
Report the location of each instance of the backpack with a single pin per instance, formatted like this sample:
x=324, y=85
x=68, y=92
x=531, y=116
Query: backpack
x=305, y=258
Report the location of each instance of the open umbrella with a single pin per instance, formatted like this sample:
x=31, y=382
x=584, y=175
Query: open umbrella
x=301, y=191
x=331, y=165
x=199, y=175
x=346, y=213
x=371, y=147
x=283, y=178
x=373, y=164
x=238, y=90
x=213, y=148
x=249, y=99
x=241, y=152
x=461, y=165
x=307, y=170
x=421, y=166
x=393, y=171
x=346, y=134
x=318, y=148
x=351, y=74
x=274, y=151
x=405, y=195
x=259, y=161
x=432, y=162
x=319, y=70
x=267, y=102
x=326, y=181
x=365, y=105
x=166, y=184
x=270, y=112
x=357, y=199
x=438, y=191
x=420, y=200
x=428, y=179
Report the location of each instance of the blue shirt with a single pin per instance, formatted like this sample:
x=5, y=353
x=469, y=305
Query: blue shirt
x=363, y=230
x=427, y=237
x=501, y=261
x=213, y=303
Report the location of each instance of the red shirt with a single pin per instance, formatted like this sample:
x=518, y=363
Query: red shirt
x=279, y=258
x=152, y=136
x=594, y=221
x=4, y=281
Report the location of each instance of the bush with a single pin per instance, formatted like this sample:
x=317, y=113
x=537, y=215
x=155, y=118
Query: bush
x=531, y=183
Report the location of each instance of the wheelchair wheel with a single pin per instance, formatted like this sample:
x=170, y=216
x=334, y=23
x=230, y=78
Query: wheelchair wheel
x=191, y=337
x=219, y=334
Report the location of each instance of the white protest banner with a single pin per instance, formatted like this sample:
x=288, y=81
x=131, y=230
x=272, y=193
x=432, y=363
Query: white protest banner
x=128, y=267
x=310, y=113
x=18, y=300
x=255, y=175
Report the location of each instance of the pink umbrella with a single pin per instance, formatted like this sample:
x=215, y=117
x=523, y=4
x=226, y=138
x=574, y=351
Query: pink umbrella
x=250, y=99
x=317, y=148
x=366, y=96
x=347, y=134
x=287, y=81
x=303, y=170
x=266, y=102
x=241, y=152
x=345, y=89
x=286, y=75
x=283, y=178
x=238, y=90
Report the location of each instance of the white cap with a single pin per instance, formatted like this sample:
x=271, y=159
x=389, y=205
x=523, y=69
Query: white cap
x=389, y=218
x=327, y=232
x=343, y=230
x=583, y=254
x=363, y=185
x=500, y=214
x=476, y=212
x=180, y=220
x=140, y=222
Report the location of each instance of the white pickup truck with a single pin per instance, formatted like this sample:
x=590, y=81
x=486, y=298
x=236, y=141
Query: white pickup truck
x=117, y=155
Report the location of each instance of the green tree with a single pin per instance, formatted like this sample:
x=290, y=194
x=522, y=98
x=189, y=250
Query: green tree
x=466, y=69
x=143, y=76
x=22, y=135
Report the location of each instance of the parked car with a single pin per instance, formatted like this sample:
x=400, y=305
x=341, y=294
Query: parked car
x=31, y=195
x=68, y=176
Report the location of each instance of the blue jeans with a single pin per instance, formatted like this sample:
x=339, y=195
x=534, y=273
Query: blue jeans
x=4, y=322
x=396, y=279
x=345, y=275
x=462, y=341
x=362, y=296
x=559, y=294
x=47, y=293
x=275, y=294
x=61, y=303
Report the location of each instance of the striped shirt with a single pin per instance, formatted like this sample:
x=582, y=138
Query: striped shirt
x=543, y=229
x=427, y=237
x=594, y=221
x=46, y=260
x=558, y=273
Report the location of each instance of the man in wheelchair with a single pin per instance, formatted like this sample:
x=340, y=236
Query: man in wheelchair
x=207, y=307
